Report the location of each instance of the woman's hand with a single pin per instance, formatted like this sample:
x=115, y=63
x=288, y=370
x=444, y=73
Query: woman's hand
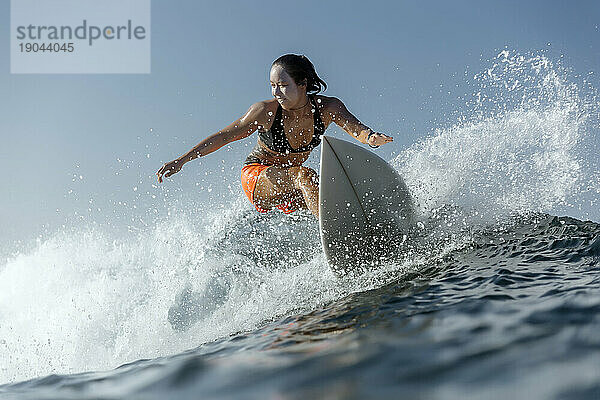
x=377, y=139
x=169, y=169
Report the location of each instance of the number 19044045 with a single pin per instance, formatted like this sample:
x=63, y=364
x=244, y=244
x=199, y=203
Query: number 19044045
x=47, y=47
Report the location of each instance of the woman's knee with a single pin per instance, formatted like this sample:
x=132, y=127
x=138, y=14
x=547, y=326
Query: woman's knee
x=305, y=176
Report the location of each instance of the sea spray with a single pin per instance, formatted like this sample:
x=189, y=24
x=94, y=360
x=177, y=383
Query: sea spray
x=87, y=301
x=519, y=147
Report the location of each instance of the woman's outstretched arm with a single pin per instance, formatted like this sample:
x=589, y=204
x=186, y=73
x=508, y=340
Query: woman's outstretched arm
x=349, y=123
x=238, y=129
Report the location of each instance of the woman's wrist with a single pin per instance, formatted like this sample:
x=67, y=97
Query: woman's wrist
x=369, y=140
x=191, y=155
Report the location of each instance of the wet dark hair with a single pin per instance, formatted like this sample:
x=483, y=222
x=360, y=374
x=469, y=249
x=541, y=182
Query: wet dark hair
x=300, y=68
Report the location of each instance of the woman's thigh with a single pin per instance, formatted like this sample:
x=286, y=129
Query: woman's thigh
x=275, y=185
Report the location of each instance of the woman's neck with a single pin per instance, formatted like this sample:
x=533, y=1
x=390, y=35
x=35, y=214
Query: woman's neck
x=299, y=108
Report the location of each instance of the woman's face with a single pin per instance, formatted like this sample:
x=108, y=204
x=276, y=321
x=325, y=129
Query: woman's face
x=285, y=90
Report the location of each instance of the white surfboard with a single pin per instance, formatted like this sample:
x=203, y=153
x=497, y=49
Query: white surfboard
x=365, y=208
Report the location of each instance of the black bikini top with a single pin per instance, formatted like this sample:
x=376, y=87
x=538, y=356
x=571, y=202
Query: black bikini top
x=276, y=140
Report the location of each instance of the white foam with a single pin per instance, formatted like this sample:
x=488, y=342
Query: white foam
x=518, y=148
x=86, y=301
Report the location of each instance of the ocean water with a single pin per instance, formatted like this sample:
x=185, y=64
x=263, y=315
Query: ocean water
x=497, y=297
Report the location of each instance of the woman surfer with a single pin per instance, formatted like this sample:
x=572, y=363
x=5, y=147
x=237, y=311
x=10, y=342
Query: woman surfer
x=289, y=128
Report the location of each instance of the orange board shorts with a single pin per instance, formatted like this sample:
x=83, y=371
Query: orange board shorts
x=250, y=175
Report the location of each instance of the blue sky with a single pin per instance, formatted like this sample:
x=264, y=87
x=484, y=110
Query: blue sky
x=69, y=139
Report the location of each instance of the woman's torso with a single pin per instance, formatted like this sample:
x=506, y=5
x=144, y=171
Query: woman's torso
x=291, y=136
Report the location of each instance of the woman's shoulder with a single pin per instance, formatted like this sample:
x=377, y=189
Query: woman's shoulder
x=263, y=112
x=327, y=106
x=327, y=103
x=264, y=106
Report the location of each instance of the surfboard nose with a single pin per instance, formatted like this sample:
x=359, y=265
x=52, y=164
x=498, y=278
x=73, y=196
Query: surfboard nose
x=325, y=142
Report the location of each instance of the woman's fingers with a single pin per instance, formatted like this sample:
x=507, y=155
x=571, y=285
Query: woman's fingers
x=167, y=170
x=381, y=138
